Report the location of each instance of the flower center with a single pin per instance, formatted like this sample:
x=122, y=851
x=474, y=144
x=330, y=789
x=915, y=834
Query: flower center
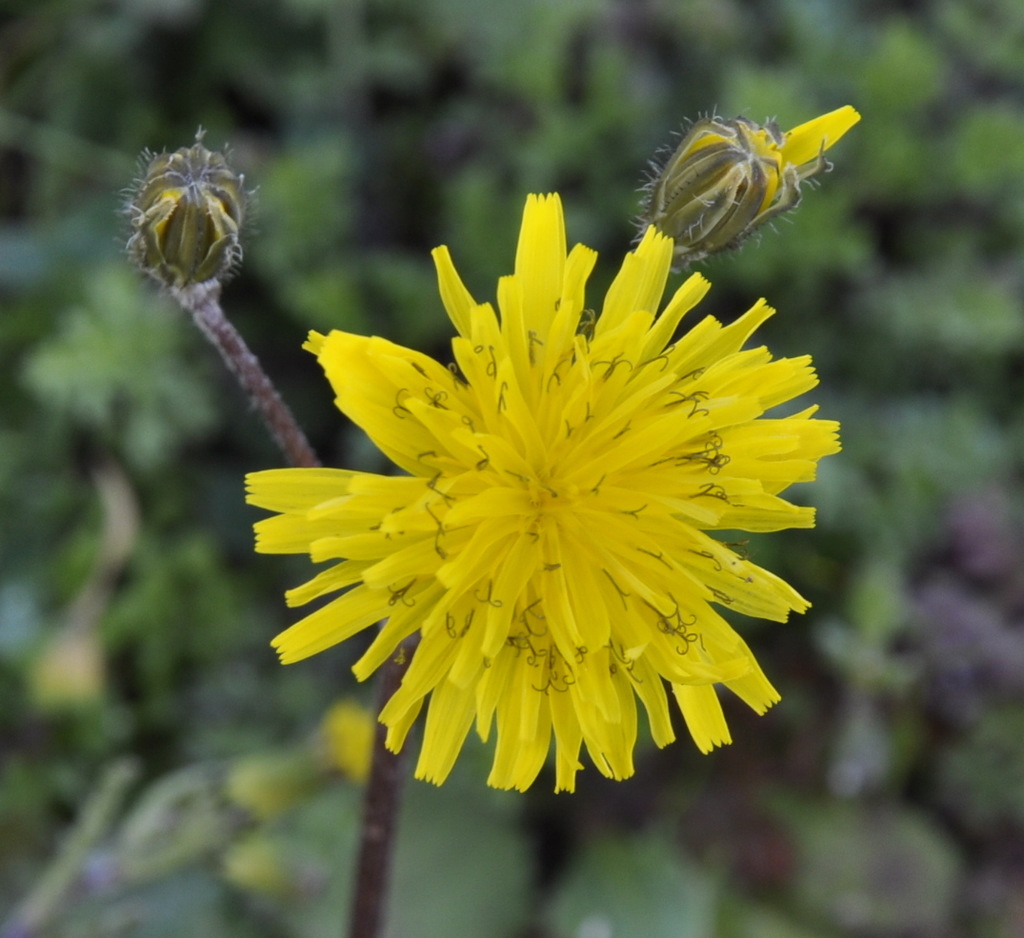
x=544, y=497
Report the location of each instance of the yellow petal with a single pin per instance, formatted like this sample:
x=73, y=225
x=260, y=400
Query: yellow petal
x=540, y=260
x=805, y=142
x=456, y=298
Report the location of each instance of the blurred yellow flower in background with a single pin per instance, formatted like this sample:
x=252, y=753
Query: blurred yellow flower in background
x=549, y=543
x=70, y=671
x=347, y=737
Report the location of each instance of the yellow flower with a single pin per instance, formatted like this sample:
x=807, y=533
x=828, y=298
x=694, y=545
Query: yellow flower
x=549, y=543
x=727, y=178
x=347, y=736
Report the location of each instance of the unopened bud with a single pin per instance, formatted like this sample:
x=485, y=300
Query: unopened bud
x=260, y=864
x=185, y=213
x=268, y=783
x=70, y=671
x=727, y=178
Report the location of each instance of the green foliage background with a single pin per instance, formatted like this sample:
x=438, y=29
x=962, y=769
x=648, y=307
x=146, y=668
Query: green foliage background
x=883, y=797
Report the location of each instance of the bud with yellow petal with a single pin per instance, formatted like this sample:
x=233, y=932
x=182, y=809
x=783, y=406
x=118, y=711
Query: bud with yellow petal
x=185, y=214
x=727, y=178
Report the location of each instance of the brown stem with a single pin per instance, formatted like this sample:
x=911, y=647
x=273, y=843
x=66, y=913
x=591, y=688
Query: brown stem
x=202, y=300
x=380, y=811
x=384, y=788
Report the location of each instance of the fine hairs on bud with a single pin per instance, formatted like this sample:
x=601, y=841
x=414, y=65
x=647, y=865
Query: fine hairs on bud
x=727, y=178
x=185, y=212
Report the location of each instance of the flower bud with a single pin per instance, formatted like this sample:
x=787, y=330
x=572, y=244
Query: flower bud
x=262, y=865
x=69, y=672
x=269, y=783
x=185, y=214
x=728, y=177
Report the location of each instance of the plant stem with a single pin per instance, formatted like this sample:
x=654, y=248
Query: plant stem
x=383, y=791
x=202, y=300
x=380, y=811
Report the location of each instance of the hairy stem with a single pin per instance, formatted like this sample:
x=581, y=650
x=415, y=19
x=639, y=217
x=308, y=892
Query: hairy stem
x=202, y=300
x=383, y=792
x=380, y=812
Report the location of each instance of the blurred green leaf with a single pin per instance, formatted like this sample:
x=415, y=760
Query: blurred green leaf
x=118, y=364
x=989, y=150
x=464, y=834
x=981, y=777
x=989, y=32
x=638, y=885
x=873, y=871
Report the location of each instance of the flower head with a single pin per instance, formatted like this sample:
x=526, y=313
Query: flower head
x=727, y=178
x=550, y=542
